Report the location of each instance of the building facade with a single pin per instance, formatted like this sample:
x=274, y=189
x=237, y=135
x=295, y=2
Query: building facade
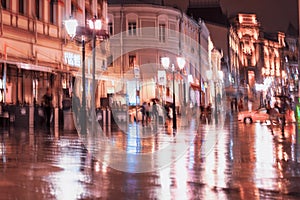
x=261, y=55
x=140, y=39
x=37, y=53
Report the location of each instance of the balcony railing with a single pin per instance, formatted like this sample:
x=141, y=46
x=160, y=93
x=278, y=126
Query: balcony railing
x=11, y=19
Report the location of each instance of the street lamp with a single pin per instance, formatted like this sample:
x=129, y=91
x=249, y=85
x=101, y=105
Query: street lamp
x=94, y=24
x=83, y=33
x=166, y=64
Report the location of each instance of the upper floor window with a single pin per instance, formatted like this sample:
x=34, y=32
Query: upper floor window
x=5, y=4
x=22, y=6
x=38, y=9
x=110, y=28
x=53, y=12
x=132, y=61
x=162, y=33
x=131, y=28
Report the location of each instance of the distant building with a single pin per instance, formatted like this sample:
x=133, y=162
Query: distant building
x=260, y=54
x=249, y=54
x=291, y=55
x=141, y=39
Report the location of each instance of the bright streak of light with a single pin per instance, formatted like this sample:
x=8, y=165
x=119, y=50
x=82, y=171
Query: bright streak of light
x=165, y=182
x=181, y=178
x=97, y=166
x=265, y=158
x=65, y=183
x=215, y=163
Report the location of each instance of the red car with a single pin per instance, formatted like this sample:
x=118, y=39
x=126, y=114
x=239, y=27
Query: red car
x=261, y=115
x=248, y=117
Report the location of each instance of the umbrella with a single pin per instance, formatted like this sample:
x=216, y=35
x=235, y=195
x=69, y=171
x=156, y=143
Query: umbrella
x=282, y=96
x=154, y=99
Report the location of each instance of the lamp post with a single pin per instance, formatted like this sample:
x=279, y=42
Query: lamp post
x=94, y=24
x=166, y=64
x=83, y=33
x=71, y=27
x=216, y=77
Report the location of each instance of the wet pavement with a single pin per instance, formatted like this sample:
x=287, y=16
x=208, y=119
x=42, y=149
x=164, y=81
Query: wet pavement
x=233, y=161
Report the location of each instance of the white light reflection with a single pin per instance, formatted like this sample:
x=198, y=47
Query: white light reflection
x=215, y=169
x=97, y=166
x=265, y=158
x=65, y=183
x=165, y=183
x=181, y=178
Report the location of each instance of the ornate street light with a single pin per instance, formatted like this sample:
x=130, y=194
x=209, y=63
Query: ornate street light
x=166, y=64
x=95, y=25
x=81, y=34
x=71, y=27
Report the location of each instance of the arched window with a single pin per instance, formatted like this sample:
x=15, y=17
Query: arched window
x=131, y=24
x=162, y=28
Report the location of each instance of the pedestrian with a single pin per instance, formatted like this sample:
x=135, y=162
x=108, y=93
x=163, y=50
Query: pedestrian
x=143, y=111
x=235, y=104
x=240, y=105
x=277, y=107
x=209, y=112
x=76, y=106
x=202, y=112
x=47, y=105
x=148, y=113
x=273, y=116
x=155, y=111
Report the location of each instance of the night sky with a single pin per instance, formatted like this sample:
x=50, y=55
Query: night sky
x=274, y=15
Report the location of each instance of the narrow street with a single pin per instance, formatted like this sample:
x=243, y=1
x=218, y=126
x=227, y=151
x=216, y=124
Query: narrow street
x=232, y=161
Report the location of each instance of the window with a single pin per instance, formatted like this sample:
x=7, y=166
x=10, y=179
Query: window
x=37, y=9
x=110, y=28
x=53, y=12
x=21, y=7
x=73, y=8
x=132, y=59
x=131, y=28
x=5, y=4
x=162, y=33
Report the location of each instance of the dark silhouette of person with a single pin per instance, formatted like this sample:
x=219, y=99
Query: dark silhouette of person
x=47, y=104
x=155, y=111
x=235, y=104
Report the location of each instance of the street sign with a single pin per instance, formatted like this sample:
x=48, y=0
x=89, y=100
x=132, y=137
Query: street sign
x=136, y=72
x=162, y=77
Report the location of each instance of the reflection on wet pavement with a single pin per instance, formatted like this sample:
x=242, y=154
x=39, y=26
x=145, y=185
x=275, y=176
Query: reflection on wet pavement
x=235, y=161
